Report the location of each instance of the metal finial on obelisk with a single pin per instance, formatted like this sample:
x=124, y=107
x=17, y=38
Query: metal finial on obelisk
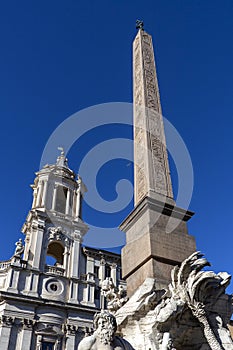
x=139, y=24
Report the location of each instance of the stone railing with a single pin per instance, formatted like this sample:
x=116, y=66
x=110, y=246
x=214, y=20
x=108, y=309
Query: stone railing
x=4, y=265
x=54, y=270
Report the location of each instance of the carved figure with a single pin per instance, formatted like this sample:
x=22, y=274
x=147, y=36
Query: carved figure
x=19, y=249
x=115, y=297
x=58, y=234
x=194, y=302
x=104, y=337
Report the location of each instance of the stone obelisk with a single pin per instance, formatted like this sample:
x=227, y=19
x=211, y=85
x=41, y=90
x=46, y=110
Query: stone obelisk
x=151, y=168
x=156, y=232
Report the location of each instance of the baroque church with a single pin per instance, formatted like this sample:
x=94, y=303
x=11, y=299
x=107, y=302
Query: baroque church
x=53, y=285
x=45, y=306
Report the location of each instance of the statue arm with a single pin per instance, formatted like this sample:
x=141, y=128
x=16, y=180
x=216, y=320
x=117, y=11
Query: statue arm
x=87, y=343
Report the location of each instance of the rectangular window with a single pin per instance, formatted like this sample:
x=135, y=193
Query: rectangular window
x=107, y=271
x=47, y=345
x=97, y=294
x=96, y=271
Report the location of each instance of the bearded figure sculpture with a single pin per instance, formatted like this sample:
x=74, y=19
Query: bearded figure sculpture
x=104, y=337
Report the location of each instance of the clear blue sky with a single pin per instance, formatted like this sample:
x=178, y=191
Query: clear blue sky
x=58, y=57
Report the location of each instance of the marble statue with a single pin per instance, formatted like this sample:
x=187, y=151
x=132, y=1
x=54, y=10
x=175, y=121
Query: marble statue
x=115, y=297
x=104, y=337
x=195, y=306
x=19, y=249
x=192, y=313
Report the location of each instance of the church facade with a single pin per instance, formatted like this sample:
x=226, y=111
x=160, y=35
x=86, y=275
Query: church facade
x=50, y=288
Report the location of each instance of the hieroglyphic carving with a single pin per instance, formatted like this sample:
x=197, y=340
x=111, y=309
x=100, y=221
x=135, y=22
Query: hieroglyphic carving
x=150, y=154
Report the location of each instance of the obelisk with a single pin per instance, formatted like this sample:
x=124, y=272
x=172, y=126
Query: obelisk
x=151, y=168
x=156, y=232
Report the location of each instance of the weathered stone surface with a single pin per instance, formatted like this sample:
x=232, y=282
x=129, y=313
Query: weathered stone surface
x=156, y=233
x=151, y=169
x=192, y=314
x=135, y=320
x=157, y=240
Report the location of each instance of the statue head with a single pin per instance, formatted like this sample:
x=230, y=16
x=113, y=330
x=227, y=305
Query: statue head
x=107, y=284
x=105, y=326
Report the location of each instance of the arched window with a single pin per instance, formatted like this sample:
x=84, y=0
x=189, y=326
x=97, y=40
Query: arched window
x=61, y=199
x=56, y=252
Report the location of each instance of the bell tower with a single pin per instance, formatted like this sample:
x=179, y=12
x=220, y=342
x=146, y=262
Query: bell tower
x=50, y=287
x=157, y=238
x=54, y=230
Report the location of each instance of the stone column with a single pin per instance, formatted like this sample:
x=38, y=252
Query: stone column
x=114, y=273
x=78, y=202
x=91, y=293
x=9, y=278
x=26, y=334
x=31, y=287
x=45, y=190
x=39, y=193
x=74, y=267
x=102, y=270
x=13, y=280
x=90, y=280
x=90, y=265
x=74, y=203
x=54, y=197
x=66, y=260
x=74, y=291
x=102, y=278
x=34, y=197
x=68, y=201
x=39, y=342
x=71, y=332
x=75, y=254
x=37, y=244
x=5, y=331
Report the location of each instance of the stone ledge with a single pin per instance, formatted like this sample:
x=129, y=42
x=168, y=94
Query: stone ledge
x=158, y=206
